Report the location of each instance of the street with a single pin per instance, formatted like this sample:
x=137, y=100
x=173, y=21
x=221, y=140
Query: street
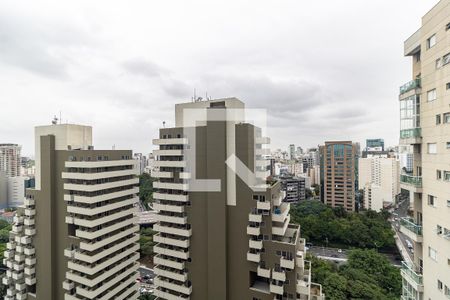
x=397, y=214
x=146, y=279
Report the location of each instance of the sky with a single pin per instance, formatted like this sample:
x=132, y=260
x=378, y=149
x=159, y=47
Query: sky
x=323, y=69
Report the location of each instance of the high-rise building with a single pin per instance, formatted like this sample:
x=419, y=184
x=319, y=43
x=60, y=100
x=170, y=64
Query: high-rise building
x=374, y=148
x=425, y=127
x=292, y=155
x=221, y=235
x=10, y=159
x=379, y=177
x=76, y=237
x=294, y=188
x=339, y=174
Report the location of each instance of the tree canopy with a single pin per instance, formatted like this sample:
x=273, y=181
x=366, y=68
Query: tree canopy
x=320, y=223
x=367, y=275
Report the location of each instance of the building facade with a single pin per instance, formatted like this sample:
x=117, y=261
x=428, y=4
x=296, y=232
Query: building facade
x=10, y=160
x=339, y=174
x=294, y=188
x=379, y=177
x=425, y=129
x=76, y=237
x=234, y=241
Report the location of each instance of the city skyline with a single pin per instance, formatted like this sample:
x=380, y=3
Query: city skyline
x=77, y=60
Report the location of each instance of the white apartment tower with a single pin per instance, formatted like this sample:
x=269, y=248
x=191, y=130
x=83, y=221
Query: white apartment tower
x=425, y=126
x=10, y=159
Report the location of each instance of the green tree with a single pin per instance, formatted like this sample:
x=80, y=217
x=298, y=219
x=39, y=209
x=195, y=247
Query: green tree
x=335, y=287
x=146, y=188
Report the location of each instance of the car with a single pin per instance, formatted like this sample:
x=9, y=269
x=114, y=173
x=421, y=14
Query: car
x=340, y=250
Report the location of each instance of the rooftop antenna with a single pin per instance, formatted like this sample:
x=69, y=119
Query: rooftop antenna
x=164, y=124
x=55, y=120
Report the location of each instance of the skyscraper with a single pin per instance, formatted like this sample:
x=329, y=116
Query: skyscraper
x=292, y=152
x=222, y=235
x=425, y=127
x=339, y=174
x=10, y=159
x=76, y=237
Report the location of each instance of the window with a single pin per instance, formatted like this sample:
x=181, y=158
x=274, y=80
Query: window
x=432, y=253
x=446, y=118
x=440, y=285
x=438, y=174
x=431, y=41
x=432, y=148
x=448, y=145
x=446, y=59
x=447, y=291
x=448, y=85
x=447, y=175
x=438, y=229
x=431, y=95
x=448, y=203
x=431, y=200
x=438, y=119
x=417, y=57
x=447, y=27
x=439, y=63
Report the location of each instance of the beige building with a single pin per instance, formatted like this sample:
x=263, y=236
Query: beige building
x=76, y=236
x=339, y=174
x=10, y=159
x=379, y=177
x=222, y=235
x=425, y=125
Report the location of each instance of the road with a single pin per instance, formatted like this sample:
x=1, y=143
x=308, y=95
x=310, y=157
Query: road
x=340, y=255
x=402, y=211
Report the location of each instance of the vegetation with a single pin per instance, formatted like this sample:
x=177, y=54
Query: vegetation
x=146, y=241
x=146, y=189
x=367, y=275
x=327, y=226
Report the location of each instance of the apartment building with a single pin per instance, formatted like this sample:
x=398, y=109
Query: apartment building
x=339, y=174
x=76, y=236
x=379, y=177
x=221, y=234
x=425, y=129
x=294, y=188
x=10, y=159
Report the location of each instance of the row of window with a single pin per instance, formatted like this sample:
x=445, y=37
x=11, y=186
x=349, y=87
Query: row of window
x=432, y=201
x=432, y=147
x=446, y=176
x=444, y=118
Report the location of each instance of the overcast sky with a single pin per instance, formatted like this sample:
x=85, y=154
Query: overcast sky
x=324, y=69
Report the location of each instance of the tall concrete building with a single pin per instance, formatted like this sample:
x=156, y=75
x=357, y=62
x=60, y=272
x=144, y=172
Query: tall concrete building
x=76, y=237
x=294, y=188
x=425, y=127
x=339, y=174
x=292, y=153
x=223, y=231
x=10, y=159
x=379, y=177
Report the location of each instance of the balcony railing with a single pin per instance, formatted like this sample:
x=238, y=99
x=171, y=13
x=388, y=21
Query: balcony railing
x=409, y=271
x=411, y=133
x=411, y=226
x=413, y=84
x=412, y=180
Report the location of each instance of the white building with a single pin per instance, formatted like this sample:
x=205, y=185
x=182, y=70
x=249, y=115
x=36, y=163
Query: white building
x=379, y=177
x=10, y=159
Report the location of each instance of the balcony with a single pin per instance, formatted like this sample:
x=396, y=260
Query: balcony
x=414, y=279
x=173, y=230
x=287, y=263
x=255, y=218
x=255, y=244
x=281, y=230
x=169, y=207
x=171, y=141
x=411, y=229
x=173, y=285
x=28, y=202
x=178, y=253
x=30, y=231
x=411, y=136
x=184, y=243
x=263, y=272
x=169, y=273
x=276, y=288
x=263, y=205
x=412, y=183
x=253, y=230
x=280, y=213
x=254, y=257
x=171, y=197
x=279, y=275
x=168, y=152
x=68, y=285
x=176, y=264
x=413, y=84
